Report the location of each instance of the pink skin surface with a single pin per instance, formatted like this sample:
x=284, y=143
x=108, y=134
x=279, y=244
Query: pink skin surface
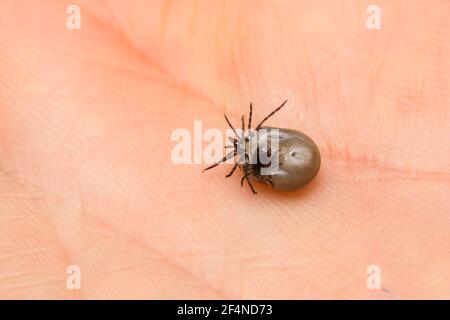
x=85, y=171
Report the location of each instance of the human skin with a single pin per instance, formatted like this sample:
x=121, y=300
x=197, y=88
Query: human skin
x=86, y=178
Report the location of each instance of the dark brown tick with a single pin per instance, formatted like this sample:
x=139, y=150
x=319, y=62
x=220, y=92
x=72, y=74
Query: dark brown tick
x=296, y=156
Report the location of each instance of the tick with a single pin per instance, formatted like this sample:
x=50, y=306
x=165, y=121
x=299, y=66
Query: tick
x=296, y=156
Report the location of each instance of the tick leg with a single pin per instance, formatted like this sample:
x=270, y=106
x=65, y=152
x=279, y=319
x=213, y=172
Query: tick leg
x=242, y=180
x=269, y=181
x=232, y=171
x=271, y=114
x=231, y=126
x=250, y=117
x=243, y=127
x=233, y=140
x=250, y=184
x=228, y=156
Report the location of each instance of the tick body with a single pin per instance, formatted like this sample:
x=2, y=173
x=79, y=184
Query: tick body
x=296, y=156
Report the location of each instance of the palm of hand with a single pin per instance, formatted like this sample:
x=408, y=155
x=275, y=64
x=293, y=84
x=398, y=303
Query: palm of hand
x=87, y=177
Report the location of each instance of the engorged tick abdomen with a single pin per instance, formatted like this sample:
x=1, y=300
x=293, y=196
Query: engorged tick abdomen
x=299, y=160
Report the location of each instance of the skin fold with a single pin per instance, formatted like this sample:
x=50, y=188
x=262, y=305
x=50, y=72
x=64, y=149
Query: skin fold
x=86, y=178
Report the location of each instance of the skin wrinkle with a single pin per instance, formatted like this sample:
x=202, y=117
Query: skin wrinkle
x=385, y=166
x=171, y=263
x=36, y=207
x=183, y=87
x=111, y=230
